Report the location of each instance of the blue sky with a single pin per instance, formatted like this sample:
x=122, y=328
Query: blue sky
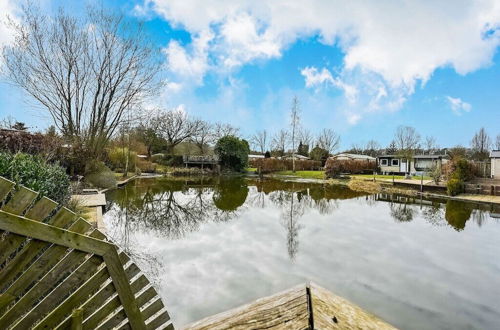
x=360, y=68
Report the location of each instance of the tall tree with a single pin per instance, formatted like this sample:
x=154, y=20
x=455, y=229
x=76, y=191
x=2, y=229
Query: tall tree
x=329, y=140
x=306, y=137
x=372, y=148
x=260, y=140
x=221, y=130
x=497, y=142
x=407, y=140
x=176, y=127
x=430, y=144
x=480, y=144
x=148, y=130
x=85, y=70
x=294, y=126
x=204, y=136
x=280, y=142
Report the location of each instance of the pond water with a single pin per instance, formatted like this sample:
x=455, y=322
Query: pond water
x=213, y=244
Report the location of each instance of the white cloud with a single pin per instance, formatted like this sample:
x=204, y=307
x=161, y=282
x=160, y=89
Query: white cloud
x=390, y=46
x=458, y=106
x=8, y=9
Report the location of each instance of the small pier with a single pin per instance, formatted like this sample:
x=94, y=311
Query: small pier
x=306, y=306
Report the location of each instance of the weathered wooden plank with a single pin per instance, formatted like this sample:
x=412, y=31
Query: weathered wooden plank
x=333, y=312
x=16, y=205
x=284, y=310
x=99, y=299
x=153, y=308
x=27, y=227
x=112, y=305
x=41, y=266
x=56, y=296
x=123, y=289
x=5, y=187
x=77, y=298
x=46, y=283
x=161, y=320
x=33, y=247
x=20, y=200
x=41, y=209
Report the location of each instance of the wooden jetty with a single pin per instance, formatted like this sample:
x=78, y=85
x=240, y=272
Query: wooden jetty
x=58, y=272
x=302, y=307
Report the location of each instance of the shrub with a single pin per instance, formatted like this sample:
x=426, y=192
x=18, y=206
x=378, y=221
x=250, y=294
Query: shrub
x=34, y=172
x=99, y=175
x=232, y=152
x=145, y=166
x=268, y=165
x=319, y=154
x=454, y=186
x=168, y=160
x=335, y=167
x=118, y=158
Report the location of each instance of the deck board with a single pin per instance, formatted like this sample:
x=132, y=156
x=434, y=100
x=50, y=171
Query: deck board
x=298, y=308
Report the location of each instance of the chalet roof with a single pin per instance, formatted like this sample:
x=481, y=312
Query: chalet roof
x=495, y=154
x=353, y=156
x=416, y=156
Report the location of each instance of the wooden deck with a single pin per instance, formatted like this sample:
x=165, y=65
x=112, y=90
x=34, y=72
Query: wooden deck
x=302, y=307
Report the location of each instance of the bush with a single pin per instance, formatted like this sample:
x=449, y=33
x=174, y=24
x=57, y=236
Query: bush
x=145, y=166
x=99, y=175
x=454, y=186
x=335, y=167
x=118, y=158
x=319, y=154
x=168, y=160
x=268, y=165
x=232, y=152
x=34, y=172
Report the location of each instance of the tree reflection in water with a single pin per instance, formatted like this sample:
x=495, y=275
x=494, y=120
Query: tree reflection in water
x=172, y=207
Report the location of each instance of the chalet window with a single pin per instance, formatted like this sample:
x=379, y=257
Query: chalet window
x=395, y=162
x=383, y=162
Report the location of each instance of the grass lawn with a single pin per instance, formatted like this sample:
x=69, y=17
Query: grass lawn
x=380, y=176
x=304, y=174
x=251, y=169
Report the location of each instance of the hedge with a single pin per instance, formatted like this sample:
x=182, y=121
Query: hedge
x=335, y=167
x=267, y=165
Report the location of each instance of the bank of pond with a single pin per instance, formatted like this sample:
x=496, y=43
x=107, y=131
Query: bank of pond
x=214, y=243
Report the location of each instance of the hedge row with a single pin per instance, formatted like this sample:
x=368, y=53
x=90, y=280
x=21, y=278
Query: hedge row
x=335, y=167
x=267, y=165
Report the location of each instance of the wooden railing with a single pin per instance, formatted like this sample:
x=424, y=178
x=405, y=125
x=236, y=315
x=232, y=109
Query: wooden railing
x=58, y=272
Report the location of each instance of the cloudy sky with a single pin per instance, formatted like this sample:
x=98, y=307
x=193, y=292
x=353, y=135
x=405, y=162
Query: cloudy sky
x=360, y=67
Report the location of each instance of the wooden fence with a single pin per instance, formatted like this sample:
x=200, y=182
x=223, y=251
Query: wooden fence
x=58, y=272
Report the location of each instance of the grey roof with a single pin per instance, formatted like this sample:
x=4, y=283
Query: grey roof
x=354, y=156
x=495, y=154
x=416, y=156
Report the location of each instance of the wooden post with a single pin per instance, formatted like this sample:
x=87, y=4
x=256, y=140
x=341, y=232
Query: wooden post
x=77, y=319
x=422, y=182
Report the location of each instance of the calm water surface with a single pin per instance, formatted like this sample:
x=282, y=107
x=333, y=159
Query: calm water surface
x=214, y=244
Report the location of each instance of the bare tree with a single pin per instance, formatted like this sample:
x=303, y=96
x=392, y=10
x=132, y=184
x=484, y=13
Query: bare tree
x=430, y=144
x=406, y=140
x=372, y=148
x=294, y=125
x=148, y=130
x=306, y=137
x=176, y=127
x=259, y=139
x=86, y=71
x=497, y=142
x=221, y=130
x=204, y=136
x=280, y=141
x=329, y=140
x=480, y=144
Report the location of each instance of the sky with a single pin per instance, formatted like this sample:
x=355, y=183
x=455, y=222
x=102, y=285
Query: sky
x=361, y=68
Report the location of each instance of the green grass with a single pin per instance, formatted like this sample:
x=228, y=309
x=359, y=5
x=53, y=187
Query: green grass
x=304, y=174
x=389, y=177
x=251, y=169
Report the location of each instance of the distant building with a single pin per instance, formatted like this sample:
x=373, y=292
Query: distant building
x=495, y=164
x=420, y=163
x=347, y=156
x=255, y=157
x=297, y=156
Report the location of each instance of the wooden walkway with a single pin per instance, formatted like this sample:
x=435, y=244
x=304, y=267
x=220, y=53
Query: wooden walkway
x=58, y=272
x=302, y=307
